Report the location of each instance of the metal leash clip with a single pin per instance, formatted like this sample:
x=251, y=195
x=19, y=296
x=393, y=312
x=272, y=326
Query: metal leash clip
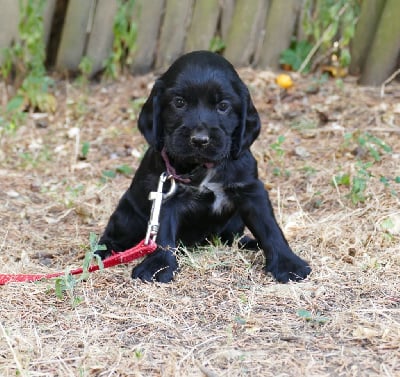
x=157, y=198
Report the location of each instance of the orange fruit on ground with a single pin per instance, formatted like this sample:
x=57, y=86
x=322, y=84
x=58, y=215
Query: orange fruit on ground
x=284, y=81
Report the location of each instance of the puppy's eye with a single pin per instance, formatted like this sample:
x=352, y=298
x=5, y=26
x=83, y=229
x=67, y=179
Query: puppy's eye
x=179, y=102
x=223, y=107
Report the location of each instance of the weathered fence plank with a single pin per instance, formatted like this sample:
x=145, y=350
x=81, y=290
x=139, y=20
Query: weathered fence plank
x=48, y=14
x=279, y=28
x=73, y=38
x=245, y=31
x=300, y=33
x=147, y=15
x=385, y=49
x=203, y=26
x=9, y=22
x=8, y=30
x=371, y=11
x=173, y=31
x=101, y=36
x=227, y=12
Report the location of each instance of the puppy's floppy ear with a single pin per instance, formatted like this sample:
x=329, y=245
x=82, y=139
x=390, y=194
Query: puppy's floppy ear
x=149, y=119
x=249, y=127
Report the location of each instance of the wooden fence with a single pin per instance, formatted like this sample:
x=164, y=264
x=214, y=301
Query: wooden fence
x=254, y=32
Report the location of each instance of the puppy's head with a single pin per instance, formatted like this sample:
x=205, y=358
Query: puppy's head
x=200, y=111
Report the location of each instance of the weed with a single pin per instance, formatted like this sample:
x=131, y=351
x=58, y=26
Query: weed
x=296, y=54
x=309, y=170
x=329, y=26
x=112, y=173
x=217, y=44
x=85, y=68
x=108, y=174
x=368, y=150
x=277, y=147
x=13, y=115
x=84, y=150
x=370, y=144
x=124, y=45
x=139, y=353
x=359, y=182
x=124, y=169
x=23, y=66
x=277, y=158
x=316, y=319
x=68, y=282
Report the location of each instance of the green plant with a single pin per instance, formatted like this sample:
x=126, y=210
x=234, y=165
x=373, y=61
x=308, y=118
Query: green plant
x=217, y=44
x=368, y=150
x=68, y=282
x=296, y=54
x=277, y=157
x=12, y=116
x=316, y=319
x=112, y=173
x=125, y=33
x=328, y=26
x=84, y=150
x=370, y=144
x=23, y=66
x=359, y=182
x=85, y=68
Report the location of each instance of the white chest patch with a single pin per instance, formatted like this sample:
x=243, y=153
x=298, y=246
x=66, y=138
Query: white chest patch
x=221, y=201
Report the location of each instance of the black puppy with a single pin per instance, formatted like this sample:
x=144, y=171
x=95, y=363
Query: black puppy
x=200, y=122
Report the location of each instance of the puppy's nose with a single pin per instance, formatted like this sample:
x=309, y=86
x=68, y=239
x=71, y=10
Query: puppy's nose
x=199, y=139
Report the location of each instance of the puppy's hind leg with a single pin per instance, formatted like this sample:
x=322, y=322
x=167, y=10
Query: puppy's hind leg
x=124, y=230
x=233, y=230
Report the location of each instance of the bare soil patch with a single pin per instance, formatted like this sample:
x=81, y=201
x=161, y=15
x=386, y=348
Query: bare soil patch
x=222, y=316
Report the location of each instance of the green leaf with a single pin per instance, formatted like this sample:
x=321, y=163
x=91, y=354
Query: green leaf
x=124, y=169
x=305, y=314
x=93, y=241
x=309, y=317
x=15, y=103
x=295, y=55
x=77, y=300
x=85, y=149
x=345, y=57
x=59, y=287
x=343, y=180
x=109, y=173
x=240, y=321
x=387, y=223
x=384, y=180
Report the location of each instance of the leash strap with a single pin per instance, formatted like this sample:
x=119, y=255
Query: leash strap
x=138, y=251
x=144, y=247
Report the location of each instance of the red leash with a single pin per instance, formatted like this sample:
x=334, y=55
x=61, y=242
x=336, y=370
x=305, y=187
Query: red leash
x=138, y=251
x=147, y=246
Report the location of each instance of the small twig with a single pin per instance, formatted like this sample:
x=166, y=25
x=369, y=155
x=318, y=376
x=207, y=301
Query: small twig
x=387, y=81
x=207, y=372
x=15, y=356
x=319, y=59
x=319, y=42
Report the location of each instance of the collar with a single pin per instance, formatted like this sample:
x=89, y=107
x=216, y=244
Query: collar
x=172, y=172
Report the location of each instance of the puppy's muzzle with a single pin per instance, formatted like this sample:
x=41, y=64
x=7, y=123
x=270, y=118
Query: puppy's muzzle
x=199, y=138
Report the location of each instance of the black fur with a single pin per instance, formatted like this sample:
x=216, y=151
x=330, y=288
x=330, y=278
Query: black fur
x=200, y=113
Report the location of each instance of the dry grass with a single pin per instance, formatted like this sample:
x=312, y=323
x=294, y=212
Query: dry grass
x=221, y=316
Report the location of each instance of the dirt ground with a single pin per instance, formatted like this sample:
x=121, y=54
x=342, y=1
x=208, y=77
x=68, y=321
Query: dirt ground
x=61, y=176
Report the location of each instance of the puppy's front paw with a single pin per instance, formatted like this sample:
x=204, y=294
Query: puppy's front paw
x=289, y=267
x=103, y=254
x=158, y=266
